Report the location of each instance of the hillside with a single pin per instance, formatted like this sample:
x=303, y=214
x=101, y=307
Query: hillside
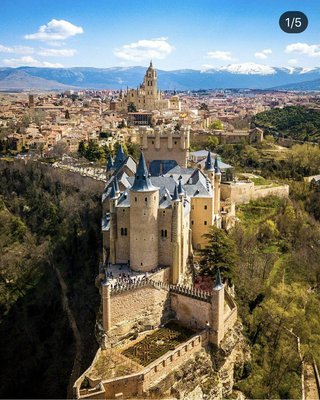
x=296, y=122
x=236, y=76
x=21, y=80
x=50, y=224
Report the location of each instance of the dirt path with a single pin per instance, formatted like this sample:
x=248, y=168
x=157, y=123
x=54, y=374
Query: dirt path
x=76, y=369
x=310, y=383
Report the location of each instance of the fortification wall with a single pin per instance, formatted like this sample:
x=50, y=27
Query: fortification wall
x=138, y=308
x=243, y=192
x=191, y=312
x=162, y=275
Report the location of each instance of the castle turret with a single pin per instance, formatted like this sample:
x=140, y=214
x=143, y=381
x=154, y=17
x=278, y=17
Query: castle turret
x=144, y=203
x=113, y=221
x=176, y=237
x=217, y=313
x=217, y=182
x=106, y=304
x=209, y=168
x=120, y=157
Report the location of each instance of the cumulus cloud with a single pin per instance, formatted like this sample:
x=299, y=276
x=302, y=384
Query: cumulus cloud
x=145, y=49
x=220, y=55
x=16, y=49
x=57, y=52
x=262, y=55
x=249, y=69
x=311, y=50
x=29, y=62
x=55, y=30
x=293, y=61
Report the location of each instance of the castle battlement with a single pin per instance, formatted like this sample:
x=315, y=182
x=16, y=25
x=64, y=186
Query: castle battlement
x=178, y=289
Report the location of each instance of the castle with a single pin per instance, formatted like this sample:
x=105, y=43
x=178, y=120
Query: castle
x=146, y=96
x=155, y=213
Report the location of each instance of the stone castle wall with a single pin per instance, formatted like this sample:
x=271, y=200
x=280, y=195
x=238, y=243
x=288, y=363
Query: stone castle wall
x=243, y=192
x=140, y=308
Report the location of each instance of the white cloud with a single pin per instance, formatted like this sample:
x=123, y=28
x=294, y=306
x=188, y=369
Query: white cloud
x=57, y=52
x=311, y=50
x=55, y=30
x=249, y=69
x=29, y=62
x=262, y=55
x=220, y=55
x=293, y=61
x=16, y=49
x=145, y=49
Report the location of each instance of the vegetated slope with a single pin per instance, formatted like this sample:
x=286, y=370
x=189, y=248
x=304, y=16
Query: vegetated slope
x=278, y=293
x=51, y=218
x=295, y=122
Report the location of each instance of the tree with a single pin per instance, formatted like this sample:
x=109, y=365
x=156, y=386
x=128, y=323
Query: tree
x=204, y=106
x=216, y=124
x=132, y=107
x=212, y=142
x=218, y=253
x=82, y=148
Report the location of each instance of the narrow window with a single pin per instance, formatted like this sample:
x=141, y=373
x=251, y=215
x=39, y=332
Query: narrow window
x=121, y=231
x=191, y=222
x=135, y=199
x=165, y=233
x=205, y=222
x=161, y=232
x=146, y=199
x=205, y=207
x=125, y=232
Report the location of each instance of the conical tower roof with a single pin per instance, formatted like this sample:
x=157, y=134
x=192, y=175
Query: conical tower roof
x=180, y=188
x=110, y=163
x=120, y=157
x=209, y=164
x=175, y=194
x=142, y=182
x=113, y=193
x=218, y=282
x=217, y=170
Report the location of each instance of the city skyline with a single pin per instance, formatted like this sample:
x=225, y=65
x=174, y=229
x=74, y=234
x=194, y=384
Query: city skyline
x=197, y=35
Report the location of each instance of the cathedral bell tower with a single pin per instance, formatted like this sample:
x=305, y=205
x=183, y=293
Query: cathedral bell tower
x=151, y=85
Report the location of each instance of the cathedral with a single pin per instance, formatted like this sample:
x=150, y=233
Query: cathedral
x=156, y=212
x=146, y=96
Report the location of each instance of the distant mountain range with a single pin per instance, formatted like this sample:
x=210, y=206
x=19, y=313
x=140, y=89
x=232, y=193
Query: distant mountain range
x=235, y=76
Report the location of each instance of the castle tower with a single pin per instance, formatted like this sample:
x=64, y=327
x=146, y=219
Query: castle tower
x=176, y=235
x=114, y=195
x=209, y=169
x=217, y=182
x=106, y=305
x=217, y=311
x=150, y=86
x=144, y=203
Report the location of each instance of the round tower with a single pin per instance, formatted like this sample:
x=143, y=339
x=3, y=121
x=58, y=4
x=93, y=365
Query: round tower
x=217, y=182
x=144, y=203
x=217, y=311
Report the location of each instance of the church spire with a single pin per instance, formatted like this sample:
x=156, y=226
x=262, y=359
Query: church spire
x=180, y=188
x=175, y=194
x=209, y=164
x=142, y=182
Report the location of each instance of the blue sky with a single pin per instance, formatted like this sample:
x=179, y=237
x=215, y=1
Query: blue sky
x=196, y=34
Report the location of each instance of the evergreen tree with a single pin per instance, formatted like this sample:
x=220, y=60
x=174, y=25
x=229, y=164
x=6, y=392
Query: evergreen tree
x=219, y=253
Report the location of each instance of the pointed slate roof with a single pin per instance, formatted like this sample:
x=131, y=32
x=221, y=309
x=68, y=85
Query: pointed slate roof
x=142, y=181
x=175, y=194
x=180, y=188
x=120, y=157
x=217, y=170
x=109, y=163
x=113, y=193
x=209, y=164
x=116, y=185
x=218, y=283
